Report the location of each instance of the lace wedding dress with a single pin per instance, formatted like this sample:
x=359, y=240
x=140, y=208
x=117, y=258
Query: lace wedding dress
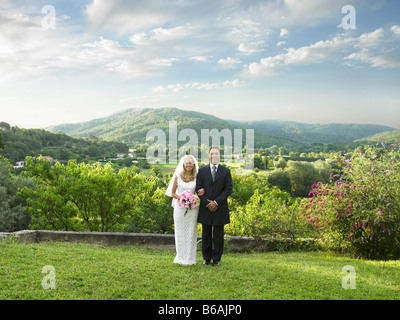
x=185, y=227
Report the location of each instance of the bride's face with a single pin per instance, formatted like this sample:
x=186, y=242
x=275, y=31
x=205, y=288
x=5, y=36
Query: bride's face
x=188, y=165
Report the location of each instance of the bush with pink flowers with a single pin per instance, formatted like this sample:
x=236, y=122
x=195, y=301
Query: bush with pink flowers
x=358, y=212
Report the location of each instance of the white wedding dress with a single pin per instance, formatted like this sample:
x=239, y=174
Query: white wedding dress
x=185, y=227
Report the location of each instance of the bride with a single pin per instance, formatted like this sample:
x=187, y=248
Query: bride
x=184, y=179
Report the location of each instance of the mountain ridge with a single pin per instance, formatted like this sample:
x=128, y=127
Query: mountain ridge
x=317, y=132
x=131, y=126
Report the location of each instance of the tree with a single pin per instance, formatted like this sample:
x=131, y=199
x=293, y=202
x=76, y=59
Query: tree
x=156, y=170
x=13, y=216
x=258, y=162
x=271, y=214
x=294, y=155
x=244, y=187
x=302, y=176
x=323, y=169
x=5, y=126
x=281, y=163
x=1, y=142
x=280, y=179
x=155, y=215
x=82, y=196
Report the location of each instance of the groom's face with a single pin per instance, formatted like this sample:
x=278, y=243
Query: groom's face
x=214, y=156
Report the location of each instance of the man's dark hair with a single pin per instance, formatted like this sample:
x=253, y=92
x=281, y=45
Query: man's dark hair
x=214, y=147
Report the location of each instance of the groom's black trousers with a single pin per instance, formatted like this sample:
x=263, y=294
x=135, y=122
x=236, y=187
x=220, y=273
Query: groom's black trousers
x=212, y=235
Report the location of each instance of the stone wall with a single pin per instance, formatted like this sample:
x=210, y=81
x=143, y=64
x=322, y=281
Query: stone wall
x=148, y=240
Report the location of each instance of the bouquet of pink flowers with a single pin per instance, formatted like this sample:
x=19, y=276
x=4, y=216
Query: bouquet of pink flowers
x=187, y=200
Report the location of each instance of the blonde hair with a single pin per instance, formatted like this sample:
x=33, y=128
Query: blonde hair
x=193, y=175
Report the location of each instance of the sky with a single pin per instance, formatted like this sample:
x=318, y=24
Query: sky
x=313, y=61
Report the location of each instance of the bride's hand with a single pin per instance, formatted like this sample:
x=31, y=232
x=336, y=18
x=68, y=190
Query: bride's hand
x=200, y=192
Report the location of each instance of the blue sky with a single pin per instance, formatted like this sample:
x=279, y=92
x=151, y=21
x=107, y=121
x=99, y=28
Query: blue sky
x=241, y=60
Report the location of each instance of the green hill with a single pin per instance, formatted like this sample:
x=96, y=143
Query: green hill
x=387, y=137
x=131, y=126
x=315, y=133
x=20, y=143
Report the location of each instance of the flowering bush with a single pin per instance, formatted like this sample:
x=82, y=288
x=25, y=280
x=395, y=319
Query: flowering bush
x=187, y=200
x=359, y=211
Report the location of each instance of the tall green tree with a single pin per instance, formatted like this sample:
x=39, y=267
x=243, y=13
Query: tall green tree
x=302, y=176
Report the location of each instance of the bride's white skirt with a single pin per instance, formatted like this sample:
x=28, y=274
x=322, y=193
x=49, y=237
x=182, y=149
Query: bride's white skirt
x=185, y=235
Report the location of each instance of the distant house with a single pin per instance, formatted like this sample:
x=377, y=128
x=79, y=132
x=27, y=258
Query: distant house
x=22, y=164
x=19, y=164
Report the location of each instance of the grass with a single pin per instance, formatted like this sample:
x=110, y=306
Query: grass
x=85, y=271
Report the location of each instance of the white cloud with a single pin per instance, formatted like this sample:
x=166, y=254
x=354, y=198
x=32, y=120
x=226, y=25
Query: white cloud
x=251, y=47
x=165, y=34
x=160, y=34
x=125, y=16
x=171, y=87
x=367, y=48
x=198, y=85
x=99, y=51
x=315, y=53
x=371, y=39
x=138, y=38
x=395, y=29
x=163, y=62
x=377, y=49
x=284, y=32
x=248, y=29
x=381, y=61
x=110, y=56
x=201, y=58
x=26, y=49
x=229, y=61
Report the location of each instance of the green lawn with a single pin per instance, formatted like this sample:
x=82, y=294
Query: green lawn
x=84, y=271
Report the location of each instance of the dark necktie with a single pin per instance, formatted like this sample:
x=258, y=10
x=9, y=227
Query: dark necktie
x=214, y=172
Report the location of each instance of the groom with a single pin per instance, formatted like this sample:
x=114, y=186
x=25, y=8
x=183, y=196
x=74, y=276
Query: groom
x=213, y=212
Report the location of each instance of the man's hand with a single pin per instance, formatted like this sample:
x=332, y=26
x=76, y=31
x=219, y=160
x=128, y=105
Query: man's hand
x=212, y=206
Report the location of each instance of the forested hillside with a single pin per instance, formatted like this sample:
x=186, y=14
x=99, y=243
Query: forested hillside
x=20, y=143
x=132, y=125
x=315, y=133
x=386, y=136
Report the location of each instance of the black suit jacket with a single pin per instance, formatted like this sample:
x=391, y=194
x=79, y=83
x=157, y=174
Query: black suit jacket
x=219, y=190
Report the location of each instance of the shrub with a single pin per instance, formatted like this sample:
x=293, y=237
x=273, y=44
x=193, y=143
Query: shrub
x=280, y=179
x=272, y=214
x=82, y=196
x=359, y=211
x=155, y=215
x=13, y=216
